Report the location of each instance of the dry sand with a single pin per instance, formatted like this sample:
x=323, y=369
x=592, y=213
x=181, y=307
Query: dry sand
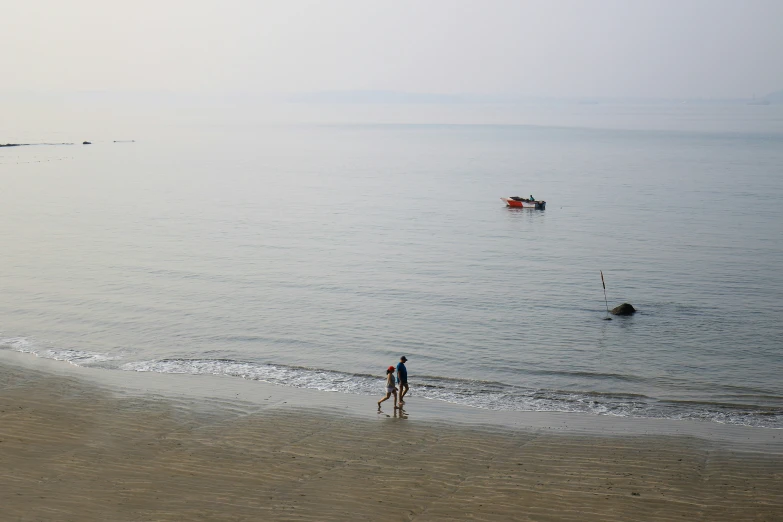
x=74, y=451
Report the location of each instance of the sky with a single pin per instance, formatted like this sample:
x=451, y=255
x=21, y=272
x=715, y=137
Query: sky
x=550, y=48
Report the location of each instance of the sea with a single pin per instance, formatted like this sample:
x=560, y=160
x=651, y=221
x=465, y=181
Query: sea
x=316, y=255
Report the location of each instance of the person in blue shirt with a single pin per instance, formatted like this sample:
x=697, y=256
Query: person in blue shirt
x=402, y=378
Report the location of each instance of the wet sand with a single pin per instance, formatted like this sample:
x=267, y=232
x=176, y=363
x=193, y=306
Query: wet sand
x=71, y=450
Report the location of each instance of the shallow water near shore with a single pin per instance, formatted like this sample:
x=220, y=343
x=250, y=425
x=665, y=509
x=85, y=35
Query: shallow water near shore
x=314, y=256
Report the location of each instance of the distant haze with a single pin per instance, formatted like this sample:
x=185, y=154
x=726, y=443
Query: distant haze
x=556, y=48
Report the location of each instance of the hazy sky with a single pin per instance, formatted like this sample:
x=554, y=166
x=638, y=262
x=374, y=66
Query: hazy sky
x=634, y=48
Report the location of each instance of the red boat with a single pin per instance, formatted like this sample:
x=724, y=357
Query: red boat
x=517, y=202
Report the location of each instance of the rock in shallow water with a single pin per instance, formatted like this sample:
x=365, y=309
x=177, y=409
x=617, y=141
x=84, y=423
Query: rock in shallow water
x=624, y=309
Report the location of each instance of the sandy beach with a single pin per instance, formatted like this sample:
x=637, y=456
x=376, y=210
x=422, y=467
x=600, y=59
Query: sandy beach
x=72, y=450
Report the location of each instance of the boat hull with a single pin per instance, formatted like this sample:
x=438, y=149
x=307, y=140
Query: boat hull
x=525, y=203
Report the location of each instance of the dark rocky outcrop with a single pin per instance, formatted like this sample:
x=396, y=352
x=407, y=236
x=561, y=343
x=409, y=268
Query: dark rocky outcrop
x=624, y=309
x=86, y=143
x=29, y=144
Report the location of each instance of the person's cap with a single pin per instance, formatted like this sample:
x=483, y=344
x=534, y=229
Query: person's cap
x=403, y=358
x=390, y=368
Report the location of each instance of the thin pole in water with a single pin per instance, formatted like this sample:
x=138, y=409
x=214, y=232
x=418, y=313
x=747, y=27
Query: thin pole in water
x=607, y=318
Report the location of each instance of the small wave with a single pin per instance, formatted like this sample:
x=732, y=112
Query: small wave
x=75, y=357
x=480, y=394
x=489, y=395
x=587, y=375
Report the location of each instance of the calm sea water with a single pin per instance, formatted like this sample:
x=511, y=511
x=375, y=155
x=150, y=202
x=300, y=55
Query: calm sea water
x=314, y=256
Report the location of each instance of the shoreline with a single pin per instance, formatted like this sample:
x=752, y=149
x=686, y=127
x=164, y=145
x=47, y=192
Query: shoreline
x=259, y=396
x=77, y=447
